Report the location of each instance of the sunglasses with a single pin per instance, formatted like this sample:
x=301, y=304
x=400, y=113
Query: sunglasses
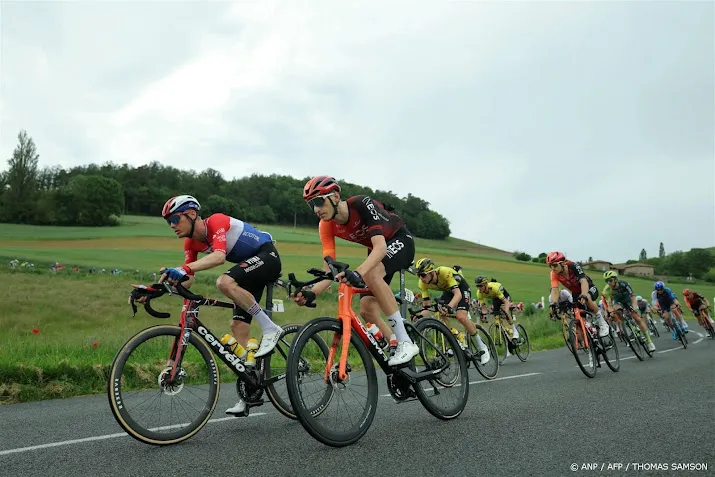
x=423, y=274
x=554, y=265
x=318, y=201
x=174, y=219
x=610, y=280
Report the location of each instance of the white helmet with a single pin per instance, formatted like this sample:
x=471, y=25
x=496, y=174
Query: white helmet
x=180, y=203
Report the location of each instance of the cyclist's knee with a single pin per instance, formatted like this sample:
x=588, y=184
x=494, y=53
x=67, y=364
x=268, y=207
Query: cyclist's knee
x=225, y=284
x=369, y=308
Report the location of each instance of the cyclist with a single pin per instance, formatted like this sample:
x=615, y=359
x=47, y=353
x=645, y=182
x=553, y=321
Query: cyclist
x=226, y=239
x=645, y=309
x=391, y=248
x=619, y=295
x=573, y=278
x=698, y=304
x=669, y=305
x=456, y=294
x=500, y=299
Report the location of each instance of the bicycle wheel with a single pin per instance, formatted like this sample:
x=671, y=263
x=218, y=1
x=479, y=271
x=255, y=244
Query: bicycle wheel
x=523, y=347
x=583, y=348
x=443, y=402
x=653, y=328
x=141, y=365
x=632, y=339
x=489, y=369
x=274, y=371
x=307, y=387
x=609, y=351
x=709, y=327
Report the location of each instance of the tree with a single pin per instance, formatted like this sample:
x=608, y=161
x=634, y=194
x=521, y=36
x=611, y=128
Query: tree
x=542, y=255
x=700, y=261
x=522, y=256
x=590, y=259
x=643, y=256
x=661, y=251
x=18, y=198
x=92, y=200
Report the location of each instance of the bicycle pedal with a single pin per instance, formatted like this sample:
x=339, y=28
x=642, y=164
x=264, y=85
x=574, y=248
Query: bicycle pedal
x=254, y=404
x=409, y=399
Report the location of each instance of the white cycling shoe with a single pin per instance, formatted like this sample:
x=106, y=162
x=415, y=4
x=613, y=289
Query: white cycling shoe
x=404, y=352
x=239, y=410
x=268, y=342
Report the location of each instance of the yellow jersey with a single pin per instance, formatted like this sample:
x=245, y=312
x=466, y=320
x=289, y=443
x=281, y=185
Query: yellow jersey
x=447, y=279
x=494, y=290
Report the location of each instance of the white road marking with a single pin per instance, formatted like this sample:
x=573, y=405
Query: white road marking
x=490, y=380
x=103, y=437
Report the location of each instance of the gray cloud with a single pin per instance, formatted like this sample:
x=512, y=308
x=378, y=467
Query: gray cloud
x=583, y=126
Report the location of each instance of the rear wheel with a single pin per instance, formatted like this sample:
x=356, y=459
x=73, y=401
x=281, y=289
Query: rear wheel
x=610, y=352
x=439, y=347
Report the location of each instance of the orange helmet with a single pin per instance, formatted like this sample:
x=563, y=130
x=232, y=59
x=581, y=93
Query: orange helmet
x=320, y=185
x=555, y=257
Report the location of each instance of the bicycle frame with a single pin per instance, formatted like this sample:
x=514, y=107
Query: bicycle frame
x=582, y=325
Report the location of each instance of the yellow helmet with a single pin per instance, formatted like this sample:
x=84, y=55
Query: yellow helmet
x=610, y=274
x=424, y=265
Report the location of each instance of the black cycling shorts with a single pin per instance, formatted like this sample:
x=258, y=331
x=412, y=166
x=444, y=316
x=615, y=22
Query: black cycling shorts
x=254, y=274
x=466, y=297
x=400, y=255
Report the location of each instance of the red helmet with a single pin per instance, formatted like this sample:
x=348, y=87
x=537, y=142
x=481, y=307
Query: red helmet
x=555, y=257
x=687, y=292
x=320, y=185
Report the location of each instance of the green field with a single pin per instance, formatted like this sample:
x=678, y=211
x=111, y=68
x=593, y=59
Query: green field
x=83, y=319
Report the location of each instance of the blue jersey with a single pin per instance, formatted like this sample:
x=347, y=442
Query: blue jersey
x=666, y=299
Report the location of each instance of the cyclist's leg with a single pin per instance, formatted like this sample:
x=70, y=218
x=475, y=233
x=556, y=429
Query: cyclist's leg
x=642, y=323
x=675, y=309
x=244, y=284
x=592, y=296
x=670, y=322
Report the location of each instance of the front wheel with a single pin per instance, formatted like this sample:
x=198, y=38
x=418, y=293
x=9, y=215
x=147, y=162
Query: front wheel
x=489, y=369
x=150, y=406
x=583, y=348
x=346, y=414
x=632, y=339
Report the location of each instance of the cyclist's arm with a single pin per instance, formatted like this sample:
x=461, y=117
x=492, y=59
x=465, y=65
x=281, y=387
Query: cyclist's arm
x=554, y=288
x=327, y=239
x=456, y=297
x=213, y=259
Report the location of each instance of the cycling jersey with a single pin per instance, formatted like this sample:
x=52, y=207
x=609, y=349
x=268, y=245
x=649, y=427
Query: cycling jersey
x=366, y=219
x=447, y=279
x=666, y=299
x=237, y=239
x=495, y=290
x=621, y=293
x=571, y=281
x=697, y=301
x=643, y=305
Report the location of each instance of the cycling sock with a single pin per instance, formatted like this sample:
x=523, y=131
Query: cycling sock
x=257, y=312
x=398, y=326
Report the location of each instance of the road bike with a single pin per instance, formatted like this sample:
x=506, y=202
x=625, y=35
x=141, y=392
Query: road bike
x=163, y=384
x=587, y=346
x=632, y=333
x=436, y=377
x=469, y=345
x=505, y=344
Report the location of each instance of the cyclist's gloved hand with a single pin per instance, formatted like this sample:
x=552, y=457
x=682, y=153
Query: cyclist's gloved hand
x=354, y=278
x=448, y=309
x=308, y=295
x=583, y=299
x=178, y=274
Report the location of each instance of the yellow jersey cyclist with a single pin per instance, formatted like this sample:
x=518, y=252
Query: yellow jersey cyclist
x=500, y=299
x=619, y=295
x=456, y=295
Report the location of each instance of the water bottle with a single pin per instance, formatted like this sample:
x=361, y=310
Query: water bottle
x=252, y=347
x=377, y=334
x=234, y=346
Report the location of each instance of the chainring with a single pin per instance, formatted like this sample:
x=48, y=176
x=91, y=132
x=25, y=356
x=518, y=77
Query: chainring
x=400, y=388
x=249, y=394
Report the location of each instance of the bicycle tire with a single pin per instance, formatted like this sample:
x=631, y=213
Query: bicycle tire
x=652, y=327
x=565, y=334
x=522, y=351
x=283, y=347
x=114, y=392
x=709, y=327
x=614, y=347
x=306, y=417
x=632, y=339
x=576, y=350
x=462, y=387
x=493, y=356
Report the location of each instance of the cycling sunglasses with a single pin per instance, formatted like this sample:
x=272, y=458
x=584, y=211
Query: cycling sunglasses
x=174, y=219
x=318, y=201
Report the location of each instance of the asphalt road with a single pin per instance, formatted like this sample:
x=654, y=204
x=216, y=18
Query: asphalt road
x=537, y=418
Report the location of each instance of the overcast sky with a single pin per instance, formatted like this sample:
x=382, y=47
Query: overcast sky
x=587, y=127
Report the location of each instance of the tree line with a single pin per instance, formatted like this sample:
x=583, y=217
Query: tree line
x=97, y=195
x=696, y=262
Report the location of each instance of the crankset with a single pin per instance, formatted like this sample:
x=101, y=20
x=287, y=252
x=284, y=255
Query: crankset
x=400, y=388
x=251, y=395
